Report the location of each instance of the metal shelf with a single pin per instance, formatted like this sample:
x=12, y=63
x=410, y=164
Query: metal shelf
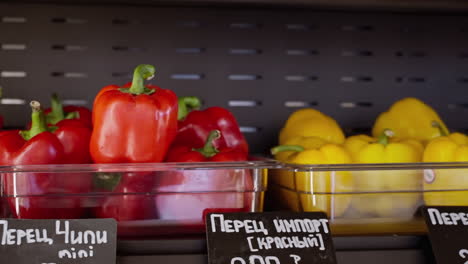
x=270, y=59
x=396, y=5
x=359, y=249
x=262, y=64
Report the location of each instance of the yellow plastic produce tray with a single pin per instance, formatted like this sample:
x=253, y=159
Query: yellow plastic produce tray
x=370, y=199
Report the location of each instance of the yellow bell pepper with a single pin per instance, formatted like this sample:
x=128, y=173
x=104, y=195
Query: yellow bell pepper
x=440, y=185
x=309, y=122
x=318, y=190
x=354, y=144
x=305, y=142
x=388, y=193
x=409, y=118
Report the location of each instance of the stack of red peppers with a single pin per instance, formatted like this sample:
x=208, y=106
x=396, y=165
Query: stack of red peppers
x=31, y=194
x=134, y=123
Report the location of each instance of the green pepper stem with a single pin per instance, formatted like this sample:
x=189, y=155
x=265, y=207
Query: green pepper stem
x=186, y=105
x=38, y=122
x=106, y=180
x=384, y=138
x=443, y=131
x=57, y=114
x=209, y=150
x=72, y=115
x=142, y=72
x=281, y=148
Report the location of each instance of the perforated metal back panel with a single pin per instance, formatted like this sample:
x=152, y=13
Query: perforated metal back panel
x=262, y=64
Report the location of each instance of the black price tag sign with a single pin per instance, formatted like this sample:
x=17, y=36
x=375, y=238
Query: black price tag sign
x=84, y=241
x=269, y=238
x=448, y=232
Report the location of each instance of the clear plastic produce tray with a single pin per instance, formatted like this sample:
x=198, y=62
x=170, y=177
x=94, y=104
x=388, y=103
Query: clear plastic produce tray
x=147, y=200
x=370, y=199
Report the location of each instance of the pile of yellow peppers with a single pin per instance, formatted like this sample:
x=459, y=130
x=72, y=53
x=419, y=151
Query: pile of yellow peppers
x=409, y=132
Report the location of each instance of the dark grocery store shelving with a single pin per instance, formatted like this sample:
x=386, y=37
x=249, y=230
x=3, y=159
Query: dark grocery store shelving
x=349, y=250
x=262, y=64
x=255, y=57
x=413, y=5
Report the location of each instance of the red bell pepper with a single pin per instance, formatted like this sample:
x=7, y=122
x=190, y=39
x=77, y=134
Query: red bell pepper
x=45, y=195
x=208, y=153
x=133, y=123
x=34, y=146
x=74, y=136
x=57, y=112
x=73, y=133
x=129, y=199
x=194, y=126
x=187, y=194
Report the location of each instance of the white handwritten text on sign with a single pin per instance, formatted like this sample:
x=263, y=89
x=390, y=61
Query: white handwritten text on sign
x=58, y=241
x=269, y=238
